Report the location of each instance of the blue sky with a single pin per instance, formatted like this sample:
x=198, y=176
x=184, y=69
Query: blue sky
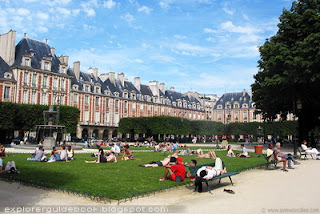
x=208, y=46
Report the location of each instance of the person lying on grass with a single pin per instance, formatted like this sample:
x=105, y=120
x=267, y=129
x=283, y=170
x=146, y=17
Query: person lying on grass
x=175, y=172
x=208, y=172
x=10, y=167
x=100, y=157
x=211, y=154
x=127, y=154
x=272, y=156
x=170, y=160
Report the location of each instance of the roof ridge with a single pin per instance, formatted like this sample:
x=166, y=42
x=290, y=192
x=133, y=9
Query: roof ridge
x=36, y=40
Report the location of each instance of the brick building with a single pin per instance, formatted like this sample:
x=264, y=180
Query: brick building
x=30, y=72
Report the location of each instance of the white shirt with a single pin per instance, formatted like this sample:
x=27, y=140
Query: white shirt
x=1, y=162
x=63, y=154
x=210, y=173
x=304, y=147
x=244, y=151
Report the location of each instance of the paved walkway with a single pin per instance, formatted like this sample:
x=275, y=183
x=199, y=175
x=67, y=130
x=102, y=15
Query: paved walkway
x=256, y=191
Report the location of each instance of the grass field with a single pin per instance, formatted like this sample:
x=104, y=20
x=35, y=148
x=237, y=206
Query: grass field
x=111, y=180
x=152, y=149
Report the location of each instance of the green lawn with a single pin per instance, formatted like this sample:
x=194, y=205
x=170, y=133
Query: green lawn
x=151, y=149
x=111, y=180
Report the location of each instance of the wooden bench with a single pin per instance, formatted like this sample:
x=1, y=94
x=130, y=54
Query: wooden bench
x=303, y=153
x=193, y=170
x=274, y=162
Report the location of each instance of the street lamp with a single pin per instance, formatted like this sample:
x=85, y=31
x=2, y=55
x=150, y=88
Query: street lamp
x=260, y=133
x=296, y=106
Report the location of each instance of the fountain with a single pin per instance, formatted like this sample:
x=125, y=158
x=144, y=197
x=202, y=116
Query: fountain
x=46, y=131
x=51, y=119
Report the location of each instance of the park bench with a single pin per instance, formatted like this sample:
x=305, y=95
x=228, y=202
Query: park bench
x=303, y=153
x=193, y=170
x=274, y=162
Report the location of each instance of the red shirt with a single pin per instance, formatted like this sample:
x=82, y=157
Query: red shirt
x=179, y=170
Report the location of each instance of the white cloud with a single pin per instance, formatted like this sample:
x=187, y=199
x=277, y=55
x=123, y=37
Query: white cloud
x=57, y=2
x=22, y=12
x=75, y=12
x=63, y=11
x=177, y=36
x=230, y=27
x=145, y=45
x=165, y=3
x=109, y=4
x=42, y=29
x=42, y=16
x=128, y=18
x=209, y=30
x=89, y=11
x=249, y=38
x=191, y=50
x=138, y=60
x=210, y=39
x=145, y=9
x=228, y=11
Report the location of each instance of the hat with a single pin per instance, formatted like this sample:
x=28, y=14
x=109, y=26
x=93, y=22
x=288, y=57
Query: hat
x=179, y=160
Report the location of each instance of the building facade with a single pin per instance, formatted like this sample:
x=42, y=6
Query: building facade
x=31, y=73
x=235, y=107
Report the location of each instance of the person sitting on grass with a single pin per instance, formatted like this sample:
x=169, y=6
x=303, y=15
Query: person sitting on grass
x=289, y=157
x=63, y=154
x=127, y=154
x=175, y=172
x=310, y=151
x=211, y=154
x=39, y=155
x=2, y=151
x=54, y=155
x=70, y=153
x=244, y=153
x=111, y=158
x=192, y=163
x=230, y=152
x=208, y=172
x=272, y=156
x=115, y=148
x=101, y=157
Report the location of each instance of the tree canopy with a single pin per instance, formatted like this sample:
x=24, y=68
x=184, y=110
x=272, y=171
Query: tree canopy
x=289, y=68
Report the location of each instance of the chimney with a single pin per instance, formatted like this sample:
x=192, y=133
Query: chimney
x=244, y=92
x=76, y=70
x=46, y=41
x=25, y=35
x=162, y=88
x=137, y=83
x=112, y=77
x=154, y=88
x=121, y=78
x=7, y=47
x=52, y=51
x=95, y=73
x=103, y=77
x=64, y=60
x=172, y=88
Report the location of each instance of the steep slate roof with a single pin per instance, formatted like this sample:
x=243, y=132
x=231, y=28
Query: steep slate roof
x=40, y=50
x=240, y=97
x=4, y=67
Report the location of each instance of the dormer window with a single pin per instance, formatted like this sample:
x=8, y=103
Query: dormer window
x=27, y=62
x=7, y=75
x=46, y=66
x=116, y=94
x=97, y=90
x=219, y=107
x=125, y=94
x=63, y=69
x=133, y=96
x=86, y=88
x=244, y=105
x=75, y=87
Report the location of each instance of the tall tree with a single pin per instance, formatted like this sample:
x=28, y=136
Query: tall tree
x=289, y=68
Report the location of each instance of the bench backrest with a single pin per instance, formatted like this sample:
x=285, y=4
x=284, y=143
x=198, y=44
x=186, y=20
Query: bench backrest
x=193, y=169
x=300, y=150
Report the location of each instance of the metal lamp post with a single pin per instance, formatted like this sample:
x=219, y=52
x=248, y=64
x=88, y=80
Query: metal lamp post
x=297, y=106
x=259, y=133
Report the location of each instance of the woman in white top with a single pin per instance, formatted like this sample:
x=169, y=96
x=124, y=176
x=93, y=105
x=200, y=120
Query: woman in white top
x=309, y=150
x=230, y=152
